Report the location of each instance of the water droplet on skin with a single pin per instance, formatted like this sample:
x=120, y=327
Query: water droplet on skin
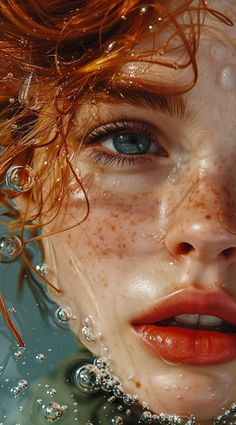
x=218, y=52
x=53, y=411
x=227, y=78
x=20, y=178
x=10, y=248
x=87, y=378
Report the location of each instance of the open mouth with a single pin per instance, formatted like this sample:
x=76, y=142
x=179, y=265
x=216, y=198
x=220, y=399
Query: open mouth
x=191, y=328
x=200, y=322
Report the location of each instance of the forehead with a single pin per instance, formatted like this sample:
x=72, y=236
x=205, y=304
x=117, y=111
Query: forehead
x=217, y=45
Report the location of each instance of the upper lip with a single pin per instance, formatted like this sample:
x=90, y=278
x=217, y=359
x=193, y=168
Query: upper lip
x=192, y=301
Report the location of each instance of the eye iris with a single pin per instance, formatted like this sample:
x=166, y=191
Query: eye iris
x=131, y=143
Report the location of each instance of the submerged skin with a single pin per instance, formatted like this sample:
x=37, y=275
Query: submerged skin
x=128, y=255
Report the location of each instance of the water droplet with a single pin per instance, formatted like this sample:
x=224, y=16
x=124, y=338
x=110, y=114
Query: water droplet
x=19, y=388
x=62, y=316
x=218, y=52
x=117, y=420
x=10, y=248
x=88, y=378
x=227, y=78
x=42, y=269
x=143, y=10
x=11, y=99
x=52, y=411
x=20, y=178
x=102, y=362
x=128, y=399
x=51, y=392
x=40, y=357
x=23, y=94
x=118, y=391
x=110, y=47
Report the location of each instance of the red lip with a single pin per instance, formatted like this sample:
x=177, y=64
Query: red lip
x=186, y=345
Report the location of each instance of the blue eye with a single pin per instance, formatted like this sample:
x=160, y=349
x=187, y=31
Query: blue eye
x=125, y=143
x=131, y=143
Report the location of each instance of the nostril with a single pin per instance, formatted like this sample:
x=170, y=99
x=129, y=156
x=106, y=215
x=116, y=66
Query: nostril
x=184, y=248
x=229, y=252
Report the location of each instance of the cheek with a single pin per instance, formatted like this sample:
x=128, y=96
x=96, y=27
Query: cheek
x=115, y=226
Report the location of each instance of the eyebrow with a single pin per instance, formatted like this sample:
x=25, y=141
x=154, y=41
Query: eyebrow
x=175, y=106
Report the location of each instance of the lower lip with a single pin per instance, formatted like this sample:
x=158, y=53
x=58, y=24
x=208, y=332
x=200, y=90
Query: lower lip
x=188, y=346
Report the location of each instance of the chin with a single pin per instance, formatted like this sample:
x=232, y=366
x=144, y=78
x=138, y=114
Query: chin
x=177, y=389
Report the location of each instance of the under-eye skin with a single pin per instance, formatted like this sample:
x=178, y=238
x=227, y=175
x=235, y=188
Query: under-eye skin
x=125, y=143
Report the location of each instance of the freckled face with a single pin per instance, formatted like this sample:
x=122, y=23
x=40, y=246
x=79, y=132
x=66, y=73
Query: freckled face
x=161, y=190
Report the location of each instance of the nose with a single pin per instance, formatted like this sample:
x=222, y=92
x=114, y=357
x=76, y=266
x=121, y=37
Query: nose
x=202, y=233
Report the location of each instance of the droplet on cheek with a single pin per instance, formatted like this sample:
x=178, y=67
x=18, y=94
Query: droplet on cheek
x=218, y=52
x=227, y=78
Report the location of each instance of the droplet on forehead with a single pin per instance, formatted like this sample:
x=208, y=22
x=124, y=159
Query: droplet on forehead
x=227, y=78
x=218, y=52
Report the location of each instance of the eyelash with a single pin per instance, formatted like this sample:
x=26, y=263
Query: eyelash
x=109, y=159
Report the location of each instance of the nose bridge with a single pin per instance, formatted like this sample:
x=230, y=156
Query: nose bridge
x=205, y=222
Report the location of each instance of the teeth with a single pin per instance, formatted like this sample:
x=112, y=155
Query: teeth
x=198, y=319
x=189, y=319
x=210, y=320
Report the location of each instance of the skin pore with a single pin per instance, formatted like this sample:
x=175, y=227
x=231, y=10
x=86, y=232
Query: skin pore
x=161, y=222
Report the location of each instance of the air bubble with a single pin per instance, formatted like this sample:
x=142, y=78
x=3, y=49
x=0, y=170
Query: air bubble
x=20, y=178
x=51, y=392
x=10, y=248
x=18, y=389
x=88, y=378
x=88, y=329
x=117, y=420
x=53, y=411
x=62, y=316
x=40, y=357
x=146, y=417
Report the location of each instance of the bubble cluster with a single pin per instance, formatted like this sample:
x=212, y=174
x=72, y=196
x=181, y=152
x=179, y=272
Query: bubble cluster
x=53, y=411
x=10, y=248
x=88, y=329
x=19, y=388
x=20, y=178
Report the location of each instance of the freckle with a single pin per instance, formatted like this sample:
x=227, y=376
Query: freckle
x=208, y=216
x=105, y=285
x=138, y=384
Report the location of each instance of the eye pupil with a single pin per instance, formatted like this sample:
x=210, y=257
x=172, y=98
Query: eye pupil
x=131, y=143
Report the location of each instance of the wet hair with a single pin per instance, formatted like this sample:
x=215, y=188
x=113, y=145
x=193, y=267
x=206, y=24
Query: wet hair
x=54, y=56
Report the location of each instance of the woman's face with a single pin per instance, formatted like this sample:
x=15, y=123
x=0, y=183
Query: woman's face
x=160, y=238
